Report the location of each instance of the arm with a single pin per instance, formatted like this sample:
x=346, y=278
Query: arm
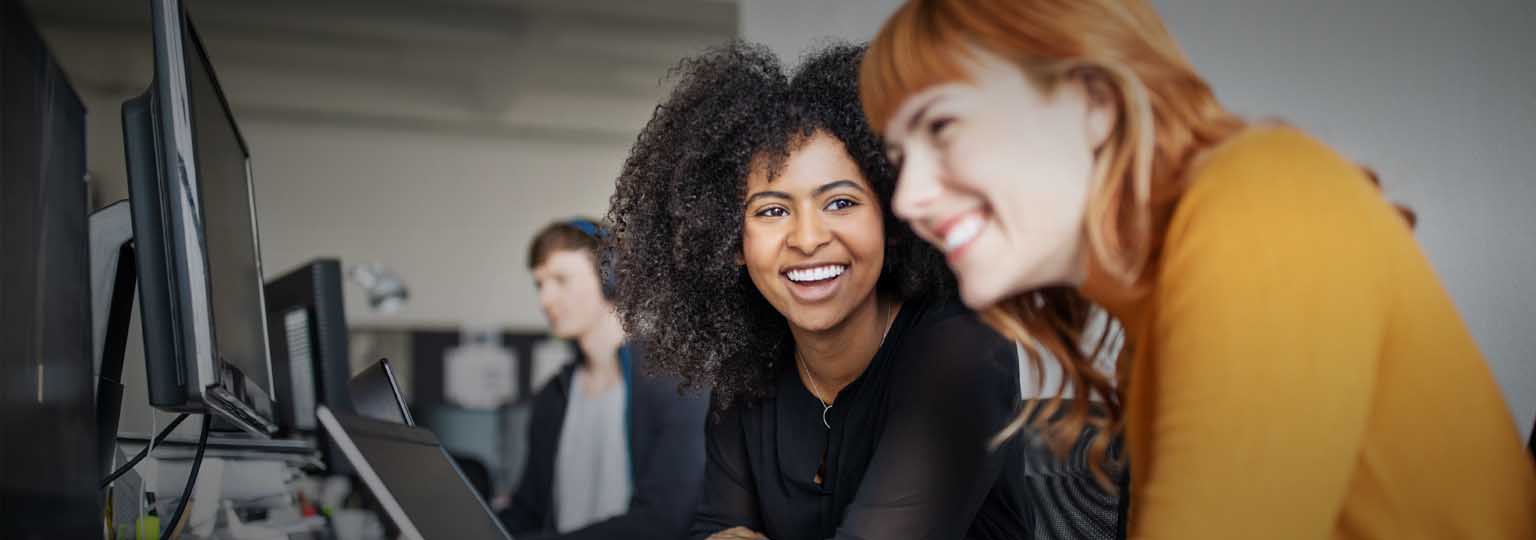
x=932, y=469
x=667, y=487
x=730, y=496
x=1265, y=351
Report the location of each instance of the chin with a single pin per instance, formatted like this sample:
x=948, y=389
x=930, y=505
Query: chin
x=816, y=321
x=562, y=332
x=977, y=294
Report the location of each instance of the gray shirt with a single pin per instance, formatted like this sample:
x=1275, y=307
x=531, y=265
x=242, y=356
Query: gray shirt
x=592, y=480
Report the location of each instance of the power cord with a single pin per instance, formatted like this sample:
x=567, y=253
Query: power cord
x=186, y=493
x=145, y=452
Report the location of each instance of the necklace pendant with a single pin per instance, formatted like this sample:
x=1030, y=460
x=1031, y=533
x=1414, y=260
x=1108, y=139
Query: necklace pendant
x=824, y=410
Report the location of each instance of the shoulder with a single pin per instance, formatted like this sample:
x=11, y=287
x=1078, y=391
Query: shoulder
x=948, y=328
x=948, y=347
x=557, y=388
x=650, y=389
x=643, y=375
x=1273, y=222
x=1274, y=178
x=1274, y=198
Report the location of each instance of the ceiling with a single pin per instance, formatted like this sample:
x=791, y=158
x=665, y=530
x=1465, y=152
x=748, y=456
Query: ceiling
x=571, y=69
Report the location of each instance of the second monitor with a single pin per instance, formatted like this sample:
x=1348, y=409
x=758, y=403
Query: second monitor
x=308, y=342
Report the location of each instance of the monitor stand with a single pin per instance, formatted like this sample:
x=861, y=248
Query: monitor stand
x=114, y=280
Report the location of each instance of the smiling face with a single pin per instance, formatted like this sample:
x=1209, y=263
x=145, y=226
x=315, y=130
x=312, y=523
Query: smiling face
x=813, y=237
x=570, y=293
x=995, y=172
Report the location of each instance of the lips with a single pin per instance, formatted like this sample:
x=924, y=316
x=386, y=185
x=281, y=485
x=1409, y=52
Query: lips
x=814, y=283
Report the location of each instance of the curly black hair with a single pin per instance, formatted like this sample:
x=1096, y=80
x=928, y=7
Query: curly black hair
x=676, y=215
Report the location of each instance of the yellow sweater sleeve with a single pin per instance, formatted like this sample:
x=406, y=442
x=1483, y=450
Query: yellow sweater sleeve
x=1264, y=345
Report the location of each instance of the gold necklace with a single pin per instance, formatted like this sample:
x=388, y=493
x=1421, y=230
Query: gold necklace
x=826, y=406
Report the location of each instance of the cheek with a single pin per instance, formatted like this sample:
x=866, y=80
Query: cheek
x=867, y=237
x=553, y=301
x=591, y=294
x=758, y=253
x=974, y=167
x=1012, y=165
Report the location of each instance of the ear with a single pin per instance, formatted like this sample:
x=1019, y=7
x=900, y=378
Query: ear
x=1103, y=107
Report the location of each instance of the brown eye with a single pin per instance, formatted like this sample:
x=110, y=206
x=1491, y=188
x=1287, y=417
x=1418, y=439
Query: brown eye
x=841, y=204
x=937, y=127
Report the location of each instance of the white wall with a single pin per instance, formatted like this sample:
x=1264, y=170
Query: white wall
x=1438, y=97
x=792, y=27
x=451, y=214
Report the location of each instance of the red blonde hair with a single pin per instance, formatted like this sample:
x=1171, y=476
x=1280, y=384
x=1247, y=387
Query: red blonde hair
x=1167, y=115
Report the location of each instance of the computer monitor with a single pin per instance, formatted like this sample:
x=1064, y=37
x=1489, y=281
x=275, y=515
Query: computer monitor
x=49, y=469
x=194, y=226
x=376, y=394
x=414, y=479
x=308, y=342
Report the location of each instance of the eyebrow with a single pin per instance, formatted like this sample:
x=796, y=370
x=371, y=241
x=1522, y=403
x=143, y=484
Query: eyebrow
x=921, y=112
x=767, y=195
x=829, y=186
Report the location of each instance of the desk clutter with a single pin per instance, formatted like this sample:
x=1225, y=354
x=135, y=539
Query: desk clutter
x=398, y=480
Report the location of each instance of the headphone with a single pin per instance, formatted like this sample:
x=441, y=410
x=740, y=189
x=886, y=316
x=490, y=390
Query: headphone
x=605, y=271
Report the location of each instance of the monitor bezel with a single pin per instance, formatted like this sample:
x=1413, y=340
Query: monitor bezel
x=213, y=383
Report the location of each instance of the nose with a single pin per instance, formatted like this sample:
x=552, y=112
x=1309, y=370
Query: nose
x=810, y=232
x=917, y=186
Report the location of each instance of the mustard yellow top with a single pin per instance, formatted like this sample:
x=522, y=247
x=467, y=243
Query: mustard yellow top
x=1299, y=372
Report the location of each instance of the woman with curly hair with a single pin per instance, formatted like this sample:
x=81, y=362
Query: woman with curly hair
x=757, y=255
x=1293, y=368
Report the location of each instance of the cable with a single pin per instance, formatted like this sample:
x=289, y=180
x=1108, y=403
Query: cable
x=145, y=452
x=186, y=493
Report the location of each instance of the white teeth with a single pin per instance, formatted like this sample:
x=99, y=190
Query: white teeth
x=962, y=233
x=817, y=274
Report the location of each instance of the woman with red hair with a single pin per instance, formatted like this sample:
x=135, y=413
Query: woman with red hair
x=1291, y=366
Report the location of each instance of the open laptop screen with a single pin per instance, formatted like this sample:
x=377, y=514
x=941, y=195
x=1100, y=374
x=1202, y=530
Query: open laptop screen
x=413, y=478
x=376, y=394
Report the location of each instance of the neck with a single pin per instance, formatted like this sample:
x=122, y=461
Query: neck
x=833, y=358
x=600, y=346
x=1124, y=302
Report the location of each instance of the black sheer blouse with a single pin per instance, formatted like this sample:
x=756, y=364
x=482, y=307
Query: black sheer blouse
x=906, y=455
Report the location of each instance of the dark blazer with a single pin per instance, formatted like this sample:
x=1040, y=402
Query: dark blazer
x=666, y=454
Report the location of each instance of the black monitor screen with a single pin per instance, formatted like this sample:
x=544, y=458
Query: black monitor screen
x=229, y=226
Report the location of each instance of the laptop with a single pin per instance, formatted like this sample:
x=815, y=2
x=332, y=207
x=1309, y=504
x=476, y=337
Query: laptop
x=376, y=394
x=414, y=480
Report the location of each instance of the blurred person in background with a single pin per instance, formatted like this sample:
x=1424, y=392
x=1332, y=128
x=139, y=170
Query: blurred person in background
x=852, y=396
x=1293, y=368
x=614, y=453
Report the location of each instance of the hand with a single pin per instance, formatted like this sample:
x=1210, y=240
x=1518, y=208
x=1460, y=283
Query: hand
x=737, y=533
